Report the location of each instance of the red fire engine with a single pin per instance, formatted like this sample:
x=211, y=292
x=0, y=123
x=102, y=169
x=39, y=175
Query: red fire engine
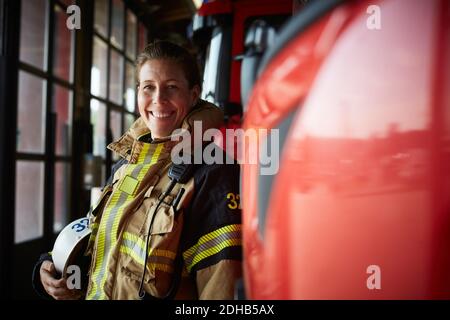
x=360, y=205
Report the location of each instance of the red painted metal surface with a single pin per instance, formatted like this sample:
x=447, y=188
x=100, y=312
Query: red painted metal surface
x=241, y=10
x=215, y=7
x=364, y=176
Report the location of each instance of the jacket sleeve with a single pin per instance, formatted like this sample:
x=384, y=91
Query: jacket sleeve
x=212, y=245
x=217, y=282
x=36, y=277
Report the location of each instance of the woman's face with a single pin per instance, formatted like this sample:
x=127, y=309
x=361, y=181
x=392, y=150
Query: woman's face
x=164, y=96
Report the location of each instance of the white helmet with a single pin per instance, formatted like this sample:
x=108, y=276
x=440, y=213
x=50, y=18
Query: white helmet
x=70, y=241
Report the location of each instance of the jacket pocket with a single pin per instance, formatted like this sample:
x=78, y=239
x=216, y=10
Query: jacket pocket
x=160, y=254
x=163, y=220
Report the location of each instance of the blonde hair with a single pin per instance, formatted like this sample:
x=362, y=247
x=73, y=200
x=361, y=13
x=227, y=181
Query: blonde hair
x=161, y=49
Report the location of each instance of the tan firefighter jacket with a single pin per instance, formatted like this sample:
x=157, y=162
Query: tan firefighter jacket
x=204, y=225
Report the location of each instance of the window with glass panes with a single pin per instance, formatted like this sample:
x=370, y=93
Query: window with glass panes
x=117, y=39
x=44, y=124
x=46, y=98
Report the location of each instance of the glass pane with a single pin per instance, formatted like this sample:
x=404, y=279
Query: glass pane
x=62, y=195
x=62, y=106
x=33, y=27
x=97, y=191
x=31, y=114
x=116, y=125
x=98, y=122
x=131, y=35
x=142, y=38
x=29, y=200
x=210, y=74
x=129, y=120
x=130, y=90
x=116, y=78
x=63, y=64
x=116, y=128
x=118, y=12
x=101, y=17
x=99, y=68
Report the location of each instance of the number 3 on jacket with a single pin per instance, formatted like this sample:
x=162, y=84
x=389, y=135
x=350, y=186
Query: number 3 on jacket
x=233, y=202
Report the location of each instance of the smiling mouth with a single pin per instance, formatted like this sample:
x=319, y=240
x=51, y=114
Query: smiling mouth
x=162, y=115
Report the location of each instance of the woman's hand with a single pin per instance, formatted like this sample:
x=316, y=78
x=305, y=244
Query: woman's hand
x=57, y=288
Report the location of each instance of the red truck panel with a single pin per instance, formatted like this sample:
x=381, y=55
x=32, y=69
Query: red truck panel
x=364, y=176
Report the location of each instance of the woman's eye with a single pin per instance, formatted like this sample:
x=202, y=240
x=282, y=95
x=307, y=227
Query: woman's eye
x=172, y=86
x=149, y=87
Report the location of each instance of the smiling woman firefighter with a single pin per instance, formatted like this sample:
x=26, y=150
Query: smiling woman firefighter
x=160, y=230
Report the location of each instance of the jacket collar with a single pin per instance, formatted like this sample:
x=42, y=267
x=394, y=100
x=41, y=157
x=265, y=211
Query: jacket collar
x=130, y=144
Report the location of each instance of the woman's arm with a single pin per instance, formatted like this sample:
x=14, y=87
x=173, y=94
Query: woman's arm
x=218, y=281
x=212, y=247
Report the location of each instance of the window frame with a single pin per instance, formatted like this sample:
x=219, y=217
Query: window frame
x=112, y=106
x=49, y=158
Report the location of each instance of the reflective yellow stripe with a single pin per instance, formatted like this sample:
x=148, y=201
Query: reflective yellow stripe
x=115, y=224
x=113, y=230
x=138, y=255
x=143, y=153
x=101, y=244
x=101, y=264
x=214, y=250
x=100, y=255
x=153, y=266
x=132, y=254
x=154, y=159
x=211, y=236
x=134, y=238
x=141, y=243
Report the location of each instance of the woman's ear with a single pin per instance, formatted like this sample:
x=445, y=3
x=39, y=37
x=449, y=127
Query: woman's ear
x=195, y=94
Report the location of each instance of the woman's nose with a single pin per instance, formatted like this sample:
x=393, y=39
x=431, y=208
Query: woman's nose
x=159, y=96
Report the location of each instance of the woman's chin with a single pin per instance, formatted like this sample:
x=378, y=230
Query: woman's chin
x=160, y=129
x=160, y=133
